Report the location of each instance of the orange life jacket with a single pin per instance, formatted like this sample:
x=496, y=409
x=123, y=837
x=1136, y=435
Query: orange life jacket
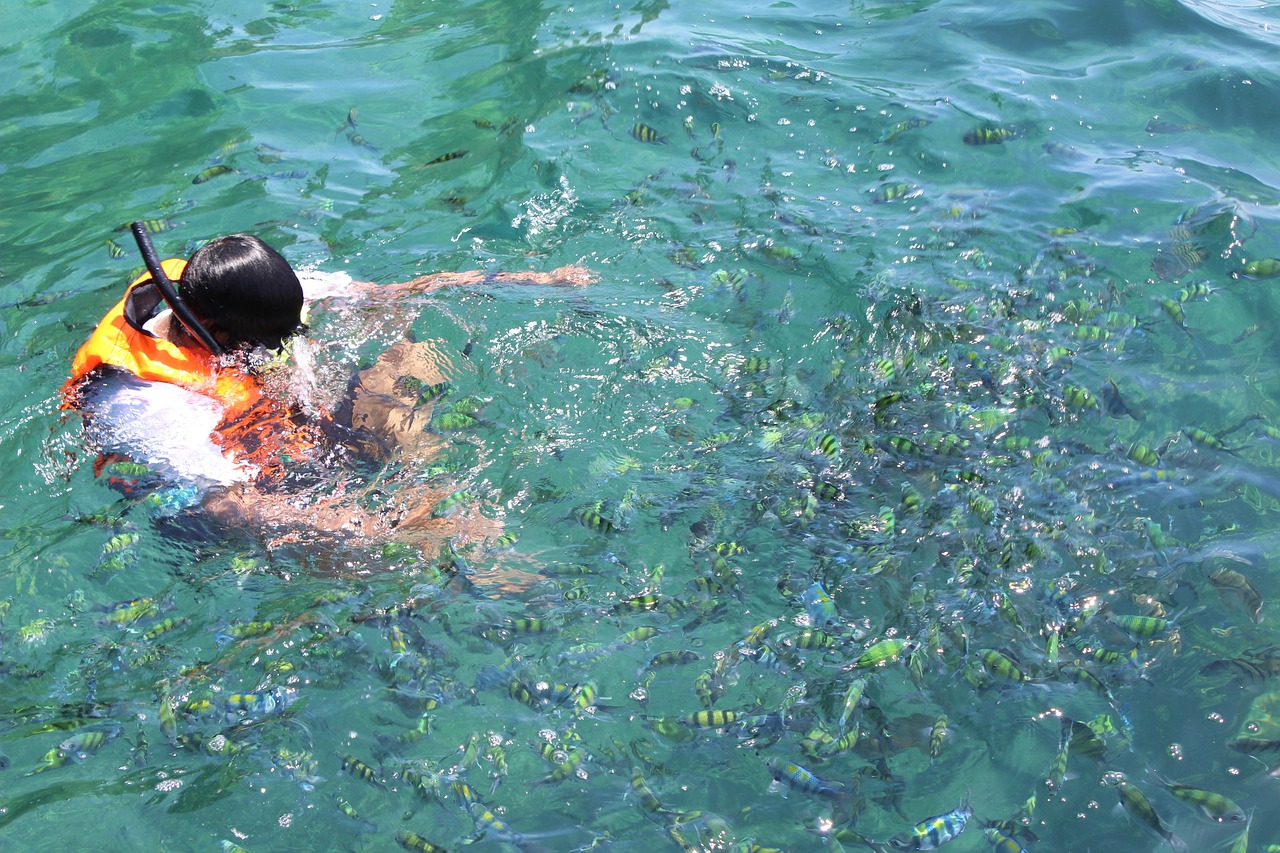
x=257, y=429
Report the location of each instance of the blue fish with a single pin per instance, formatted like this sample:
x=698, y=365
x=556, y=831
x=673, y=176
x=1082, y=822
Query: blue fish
x=795, y=776
x=819, y=606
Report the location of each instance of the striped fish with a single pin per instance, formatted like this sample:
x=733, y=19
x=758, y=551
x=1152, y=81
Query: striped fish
x=795, y=776
x=932, y=833
x=644, y=133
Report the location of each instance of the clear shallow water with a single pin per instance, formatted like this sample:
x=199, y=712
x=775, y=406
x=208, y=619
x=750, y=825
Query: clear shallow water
x=809, y=200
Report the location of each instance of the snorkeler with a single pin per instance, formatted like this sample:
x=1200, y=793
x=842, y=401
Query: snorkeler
x=215, y=341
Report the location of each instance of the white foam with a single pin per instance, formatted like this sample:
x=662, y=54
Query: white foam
x=163, y=426
x=318, y=284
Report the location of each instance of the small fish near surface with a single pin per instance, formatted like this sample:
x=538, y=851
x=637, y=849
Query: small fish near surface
x=592, y=518
x=819, y=606
x=902, y=127
x=1005, y=839
x=1243, y=669
x=1114, y=405
x=89, y=740
x=1237, y=589
x=1214, y=806
x=931, y=833
x=987, y=134
x=797, y=777
x=153, y=226
x=1158, y=126
x=1180, y=257
x=1061, y=150
x=445, y=158
x=644, y=133
x=881, y=653
x=1139, y=808
x=357, y=139
x=212, y=172
x=413, y=841
x=1261, y=268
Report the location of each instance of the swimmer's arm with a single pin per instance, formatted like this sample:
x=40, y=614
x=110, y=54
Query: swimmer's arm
x=572, y=276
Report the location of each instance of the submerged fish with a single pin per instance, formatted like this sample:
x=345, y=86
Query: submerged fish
x=79, y=746
x=902, y=127
x=1234, y=586
x=991, y=135
x=801, y=779
x=211, y=173
x=932, y=833
x=1113, y=404
x=416, y=843
x=881, y=653
x=818, y=604
x=1249, y=669
x=1002, y=842
x=1261, y=268
x=1214, y=806
x=445, y=158
x=1158, y=126
x=645, y=133
x=1140, y=809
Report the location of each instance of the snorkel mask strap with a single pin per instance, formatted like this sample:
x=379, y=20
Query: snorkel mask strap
x=169, y=292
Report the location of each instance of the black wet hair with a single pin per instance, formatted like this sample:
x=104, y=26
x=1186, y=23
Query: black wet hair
x=244, y=290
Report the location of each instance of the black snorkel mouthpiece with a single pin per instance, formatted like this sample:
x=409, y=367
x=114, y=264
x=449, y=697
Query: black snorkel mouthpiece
x=169, y=292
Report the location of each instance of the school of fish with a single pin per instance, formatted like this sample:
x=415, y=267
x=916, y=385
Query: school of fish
x=926, y=579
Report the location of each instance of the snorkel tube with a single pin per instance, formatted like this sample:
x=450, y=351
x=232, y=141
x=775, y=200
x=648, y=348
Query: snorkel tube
x=169, y=292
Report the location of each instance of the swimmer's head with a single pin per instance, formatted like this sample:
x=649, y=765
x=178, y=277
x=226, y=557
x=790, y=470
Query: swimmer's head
x=243, y=291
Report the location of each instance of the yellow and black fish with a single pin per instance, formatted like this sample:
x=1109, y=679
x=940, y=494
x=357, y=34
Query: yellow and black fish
x=445, y=158
x=1261, y=268
x=645, y=133
x=991, y=135
x=211, y=173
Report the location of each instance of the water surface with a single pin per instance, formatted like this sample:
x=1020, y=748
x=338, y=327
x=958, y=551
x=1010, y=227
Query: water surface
x=945, y=308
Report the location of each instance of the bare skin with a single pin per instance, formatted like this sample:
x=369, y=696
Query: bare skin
x=337, y=523
x=572, y=276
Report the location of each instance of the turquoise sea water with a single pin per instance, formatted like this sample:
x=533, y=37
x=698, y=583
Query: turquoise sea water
x=944, y=308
